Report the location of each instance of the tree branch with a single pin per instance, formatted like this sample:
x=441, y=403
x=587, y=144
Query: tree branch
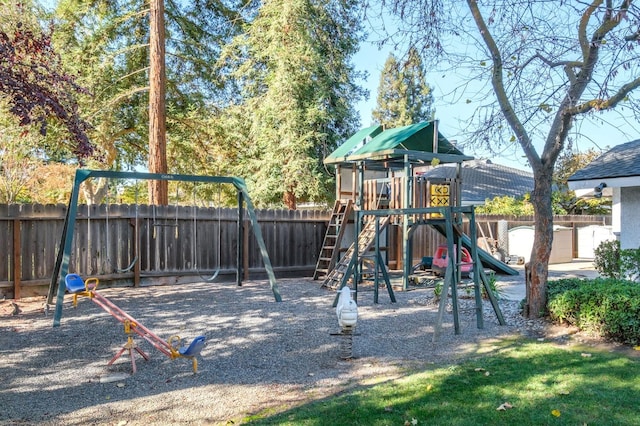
x=604, y=104
x=498, y=86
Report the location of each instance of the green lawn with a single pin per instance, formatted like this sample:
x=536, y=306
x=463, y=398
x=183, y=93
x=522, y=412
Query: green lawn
x=544, y=384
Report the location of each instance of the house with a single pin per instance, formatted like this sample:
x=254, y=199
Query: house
x=483, y=180
x=616, y=173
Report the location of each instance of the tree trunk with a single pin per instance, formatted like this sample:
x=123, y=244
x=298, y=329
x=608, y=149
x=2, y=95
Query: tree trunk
x=536, y=291
x=289, y=200
x=158, y=189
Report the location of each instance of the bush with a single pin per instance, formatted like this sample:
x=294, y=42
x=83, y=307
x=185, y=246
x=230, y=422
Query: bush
x=608, y=307
x=607, y=259
x=630, y=264
x=612, y=262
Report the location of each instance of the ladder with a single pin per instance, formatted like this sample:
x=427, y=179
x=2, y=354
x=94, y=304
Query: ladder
x=366, y=238
x=333, y=238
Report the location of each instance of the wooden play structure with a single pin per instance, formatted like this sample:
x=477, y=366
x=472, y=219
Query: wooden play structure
x=379, y=192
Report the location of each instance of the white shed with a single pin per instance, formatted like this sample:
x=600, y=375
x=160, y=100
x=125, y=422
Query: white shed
x=521, y=243
x=590, y=237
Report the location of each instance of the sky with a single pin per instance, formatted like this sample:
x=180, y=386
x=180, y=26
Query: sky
x=452, y=112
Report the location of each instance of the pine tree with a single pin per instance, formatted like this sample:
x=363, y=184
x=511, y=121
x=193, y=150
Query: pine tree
x=297, y=82
x=404, y=97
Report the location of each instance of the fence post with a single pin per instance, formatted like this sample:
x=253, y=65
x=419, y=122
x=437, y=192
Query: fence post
x=17, y=258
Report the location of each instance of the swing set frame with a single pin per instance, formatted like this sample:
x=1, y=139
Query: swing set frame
x=61, y=268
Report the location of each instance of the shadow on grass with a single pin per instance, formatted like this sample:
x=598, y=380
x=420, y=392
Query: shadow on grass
x=542, y=383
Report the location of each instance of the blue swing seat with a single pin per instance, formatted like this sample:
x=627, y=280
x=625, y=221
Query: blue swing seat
x=74, y=283
x=194, y=348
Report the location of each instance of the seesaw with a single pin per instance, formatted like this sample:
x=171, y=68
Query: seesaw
x=171, y=348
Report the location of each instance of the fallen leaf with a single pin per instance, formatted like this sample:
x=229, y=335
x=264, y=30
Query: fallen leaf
x=637, y=348
x=555, y=413
x=479, y=369
x=429, y=387
x=563, y=392
x=585, y=355
x=414, y=421
x=120, y=385
x=504, y=406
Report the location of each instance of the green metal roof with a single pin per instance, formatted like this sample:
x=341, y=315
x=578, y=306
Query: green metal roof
x=353, y=143
x=414, y=140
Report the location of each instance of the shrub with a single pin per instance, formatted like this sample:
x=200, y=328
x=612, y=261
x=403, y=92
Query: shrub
x=608, y=307
x=630, y=264
x=612, y=262
x=607, y=259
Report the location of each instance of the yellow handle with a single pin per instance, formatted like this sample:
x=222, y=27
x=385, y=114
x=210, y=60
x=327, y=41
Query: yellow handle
x=91, y=283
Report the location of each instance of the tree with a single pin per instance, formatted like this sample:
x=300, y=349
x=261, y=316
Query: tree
x=404, y=97
x=158, y=190
x=568, y=163
x=550, y=65
x=292, y=67
x=31, y=78
x=107, y=44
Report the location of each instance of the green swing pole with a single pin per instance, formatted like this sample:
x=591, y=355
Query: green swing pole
x=61, y=267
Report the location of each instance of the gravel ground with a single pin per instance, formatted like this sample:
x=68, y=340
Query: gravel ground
x=260, y=354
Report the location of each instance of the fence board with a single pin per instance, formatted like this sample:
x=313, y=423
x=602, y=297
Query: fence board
x=104, y=240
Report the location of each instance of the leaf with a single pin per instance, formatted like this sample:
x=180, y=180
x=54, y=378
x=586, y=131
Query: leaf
x=585, y=355
x=555, y=413
x=504, y=406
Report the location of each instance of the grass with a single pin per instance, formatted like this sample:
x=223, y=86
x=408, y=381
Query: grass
x=544, y=384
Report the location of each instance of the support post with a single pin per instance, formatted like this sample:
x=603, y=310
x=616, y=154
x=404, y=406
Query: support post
x=477, y=266
x=453, y=265
x=240, y=242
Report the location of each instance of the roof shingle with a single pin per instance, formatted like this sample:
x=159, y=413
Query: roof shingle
x=620, y=161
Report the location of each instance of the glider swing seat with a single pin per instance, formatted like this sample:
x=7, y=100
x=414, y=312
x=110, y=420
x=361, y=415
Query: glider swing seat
x=171, y=348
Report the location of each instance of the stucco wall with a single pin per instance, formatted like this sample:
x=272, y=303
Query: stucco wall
x=630, y=217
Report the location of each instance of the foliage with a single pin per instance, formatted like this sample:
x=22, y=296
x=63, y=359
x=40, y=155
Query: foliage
x=566, y=201
x=106, y=45
x=507, y=205
x=607, y=259
x=533, y=80
x=292, y=67
x=630, y=264
x=404, y=97
x=32, y=80
x=609, y=307
x=538, y=381
x=612, y=262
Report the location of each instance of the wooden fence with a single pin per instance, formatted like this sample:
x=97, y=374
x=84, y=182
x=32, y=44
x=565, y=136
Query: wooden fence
x=173, y=244
x=128, y=242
